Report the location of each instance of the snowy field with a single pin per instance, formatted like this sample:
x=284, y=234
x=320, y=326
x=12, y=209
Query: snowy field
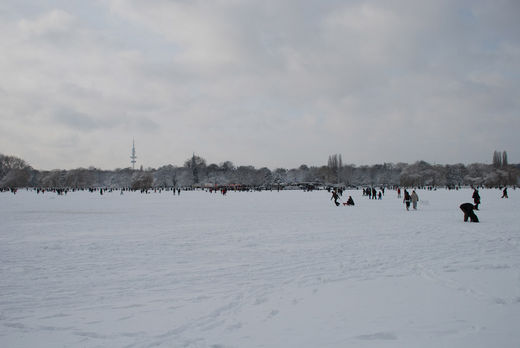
x=263, y=269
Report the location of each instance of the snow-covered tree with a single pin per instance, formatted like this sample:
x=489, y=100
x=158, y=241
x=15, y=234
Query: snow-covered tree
x=142, y=181
x=197, y=165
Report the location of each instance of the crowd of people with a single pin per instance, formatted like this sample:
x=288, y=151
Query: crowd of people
x=409, y=199
x=412, y=199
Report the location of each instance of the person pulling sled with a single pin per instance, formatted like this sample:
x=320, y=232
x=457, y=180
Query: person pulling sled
x=335, y=197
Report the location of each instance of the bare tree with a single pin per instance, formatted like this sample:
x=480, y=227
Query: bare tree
x=335, y=163
x=497, y=159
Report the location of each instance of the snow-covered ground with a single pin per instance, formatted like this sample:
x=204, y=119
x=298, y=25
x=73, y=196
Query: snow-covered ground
x=263, y=269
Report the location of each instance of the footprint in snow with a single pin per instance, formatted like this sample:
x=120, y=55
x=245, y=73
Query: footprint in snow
x=260, y=301
x=273, y=313
x=234, y=327
x=378, y=336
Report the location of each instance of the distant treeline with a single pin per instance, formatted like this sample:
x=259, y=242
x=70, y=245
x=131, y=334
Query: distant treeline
x=15, y=172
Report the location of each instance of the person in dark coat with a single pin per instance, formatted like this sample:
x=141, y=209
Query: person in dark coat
x=476, y=198
x=468, y=208
x=350, y=201
x=407, y=199
x=335, y=197
x=504, y=193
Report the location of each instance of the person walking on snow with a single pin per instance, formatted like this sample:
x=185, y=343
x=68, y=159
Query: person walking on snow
x=504, y=193
x=406, y=199
x=476, y=198
x=335, y=197
x=415, y=199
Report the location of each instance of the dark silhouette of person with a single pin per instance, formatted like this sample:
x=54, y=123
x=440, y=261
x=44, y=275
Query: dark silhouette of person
x=467, y=209
x=350, y=201
x=407, y=199
x=335, y=197
x=504, y=193
x=476, y=198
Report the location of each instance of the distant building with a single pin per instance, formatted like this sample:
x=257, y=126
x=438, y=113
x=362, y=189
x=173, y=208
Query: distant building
x=133, y=157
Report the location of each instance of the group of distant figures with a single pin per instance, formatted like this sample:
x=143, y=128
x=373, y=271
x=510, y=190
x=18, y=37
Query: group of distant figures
x=469, y=209
x=336, y=196
x=412, y=199
x=409, y=198
x=101, y=190
x=372, y=193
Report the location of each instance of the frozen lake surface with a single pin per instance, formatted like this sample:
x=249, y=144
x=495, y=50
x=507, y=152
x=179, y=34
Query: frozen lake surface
x=262, y=269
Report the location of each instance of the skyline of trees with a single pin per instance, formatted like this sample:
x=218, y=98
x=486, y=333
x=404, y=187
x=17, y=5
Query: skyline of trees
x=15, y=172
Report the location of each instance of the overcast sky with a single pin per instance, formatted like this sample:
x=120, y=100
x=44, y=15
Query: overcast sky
x=272, y=83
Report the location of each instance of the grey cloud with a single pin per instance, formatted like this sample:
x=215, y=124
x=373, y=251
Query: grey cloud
x=76, y=120
x=245, y=78
x=147, y=125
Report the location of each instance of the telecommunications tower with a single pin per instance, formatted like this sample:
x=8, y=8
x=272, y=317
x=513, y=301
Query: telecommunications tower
x=133, y=157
